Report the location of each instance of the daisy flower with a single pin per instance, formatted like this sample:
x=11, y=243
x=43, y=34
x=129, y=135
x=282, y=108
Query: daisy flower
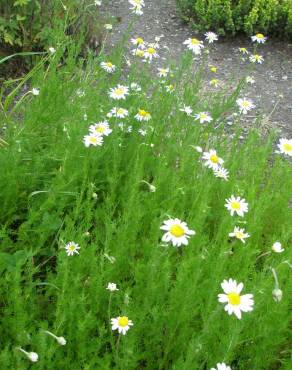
x=250, y=80
x=236, y=303
x=236, y=205
x=138, y=41
x=150, y=53
x=119, y=92
x=143, y=115
x=285, y=146
x=187, y=109
x=211, y=37
x=108, y=67
x=243, y=50
x=100, y=128
x=177, y=232
x=80, y=93
x=112, y=287
x=212, y=160
x=32, y=356
x=122, y=324
x=137, y=6
x=93, y=139
x=203, y=117
x=277, y=247
x=137, y=3
x=221, y=366
x=163, y=72
x=52, y=50
x=138, y=53
x=245, y=105
x=137, y=10
x=221, y=173
x=239, y=233
x=108, y=26
x=169, y=88
x=214, y=82
x=35, y=91
x=142, y=132
x=135, y=87
x=72, y=248
x=256, y=58
x=97, y=3
x=259, y=38
x=194, y=45
x=118, y=112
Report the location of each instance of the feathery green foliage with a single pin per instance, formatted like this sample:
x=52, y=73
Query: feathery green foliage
x=55, y=190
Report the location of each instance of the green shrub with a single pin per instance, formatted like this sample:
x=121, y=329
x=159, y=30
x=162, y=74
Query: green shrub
x=232, y=16
x=27, y=25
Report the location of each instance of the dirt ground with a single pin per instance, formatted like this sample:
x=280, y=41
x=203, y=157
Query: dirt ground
x=272, y=90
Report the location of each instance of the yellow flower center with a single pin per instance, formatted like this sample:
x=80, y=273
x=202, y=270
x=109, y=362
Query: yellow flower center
x=109, y=64
x=195, y=41
x=120, y=111
x=257, y=57
x=214, y=81
x=123, y=321
x=203, y=115
x=140, y=53
x=245, y=104
x=213, y=69
x=93, y=140
x=288, y=147
x=119, y=91
x=260, y=36
x=235, y=205
x=151, y=50
x=214, y=158
x=243, y=50
x=234, y=298
x=143, y=113
x=177, y=231
x=71, y=248
x=139, y=40
x=239, y=235
x=100, y=129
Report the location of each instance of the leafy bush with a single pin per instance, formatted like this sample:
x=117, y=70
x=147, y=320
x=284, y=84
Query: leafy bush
x=27, y=25
x=232, y=16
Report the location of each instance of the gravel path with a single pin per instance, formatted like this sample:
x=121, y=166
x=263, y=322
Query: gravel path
x=273, y=78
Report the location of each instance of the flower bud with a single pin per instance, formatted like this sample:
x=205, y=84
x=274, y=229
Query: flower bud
x=61, y=340
x=277, y=294
x=33, y=356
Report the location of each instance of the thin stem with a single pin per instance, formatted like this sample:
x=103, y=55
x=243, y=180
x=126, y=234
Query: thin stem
x=22, y=350
x=117, y=350
x=262, y=255
x=275, y=277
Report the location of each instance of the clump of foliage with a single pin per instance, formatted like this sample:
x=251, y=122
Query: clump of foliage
x=55, y=190
x=27, y=25
x=232, y=16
